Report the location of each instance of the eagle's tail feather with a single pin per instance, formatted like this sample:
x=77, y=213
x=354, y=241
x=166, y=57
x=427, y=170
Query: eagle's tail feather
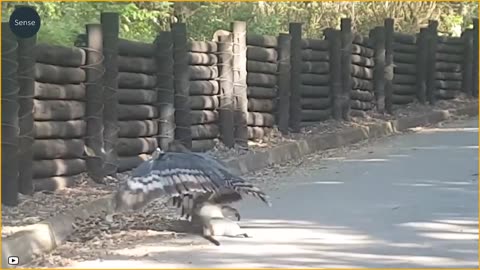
x=240, y=186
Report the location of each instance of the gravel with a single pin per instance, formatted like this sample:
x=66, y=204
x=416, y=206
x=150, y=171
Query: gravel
x=94, y=237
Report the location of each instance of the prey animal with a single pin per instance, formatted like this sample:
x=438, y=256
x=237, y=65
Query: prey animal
x=214, y=223
x=199, y=184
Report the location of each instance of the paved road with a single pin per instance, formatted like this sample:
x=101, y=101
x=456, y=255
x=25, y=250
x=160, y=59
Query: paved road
x=407, y=201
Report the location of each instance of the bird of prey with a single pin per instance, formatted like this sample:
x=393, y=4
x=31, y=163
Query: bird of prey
x=185, y=177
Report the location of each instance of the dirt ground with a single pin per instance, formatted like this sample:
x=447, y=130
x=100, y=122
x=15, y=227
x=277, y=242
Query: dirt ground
x=94, y=235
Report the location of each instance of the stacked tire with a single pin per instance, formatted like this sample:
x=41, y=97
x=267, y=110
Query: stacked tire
x=315, y=91
x=261, y=84
x=59, y=116
x=448, y=67
x=362, y=96
x=204, y=91
x=405, y=69
x=137, y=97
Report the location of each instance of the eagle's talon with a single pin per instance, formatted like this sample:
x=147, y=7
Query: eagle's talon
x=188, y=179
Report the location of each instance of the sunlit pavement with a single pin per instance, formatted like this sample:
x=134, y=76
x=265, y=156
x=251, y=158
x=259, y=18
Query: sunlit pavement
x=407, y=201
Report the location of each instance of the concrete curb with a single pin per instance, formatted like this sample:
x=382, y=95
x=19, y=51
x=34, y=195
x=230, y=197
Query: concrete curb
x=47, y=235
x=258, y=160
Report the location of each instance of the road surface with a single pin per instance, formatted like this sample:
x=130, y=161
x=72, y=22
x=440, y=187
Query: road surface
x=406, y=201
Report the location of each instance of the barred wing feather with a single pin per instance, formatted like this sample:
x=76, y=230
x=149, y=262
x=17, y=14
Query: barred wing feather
x=180, y=175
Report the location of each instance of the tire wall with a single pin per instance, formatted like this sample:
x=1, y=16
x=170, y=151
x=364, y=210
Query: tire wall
x=10, y=124
x=204, y=94
x=404, y=89
x=449, y=67
x=315, y=90
x=262, y=67
x=362, y=97
x=59, y=116
x=137, y=98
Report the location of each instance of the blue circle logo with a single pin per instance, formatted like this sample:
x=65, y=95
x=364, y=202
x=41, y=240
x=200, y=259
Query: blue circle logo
x=25, y=22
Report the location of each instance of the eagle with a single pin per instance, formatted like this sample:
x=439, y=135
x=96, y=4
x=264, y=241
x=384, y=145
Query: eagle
x=187, y=179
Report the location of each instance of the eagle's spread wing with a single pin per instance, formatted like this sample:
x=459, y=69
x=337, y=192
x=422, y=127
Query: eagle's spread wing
x=181, y=175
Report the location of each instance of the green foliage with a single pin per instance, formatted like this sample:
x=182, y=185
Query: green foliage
x=142, y=22
x=63, y=21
